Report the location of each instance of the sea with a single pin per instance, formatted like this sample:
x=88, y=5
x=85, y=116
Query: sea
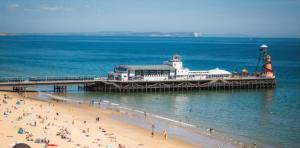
x=269, y=116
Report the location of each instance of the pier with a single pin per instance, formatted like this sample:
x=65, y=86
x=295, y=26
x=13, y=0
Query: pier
x=104, y=85
x=59, y=84
x=181, y=85
x=169, y=76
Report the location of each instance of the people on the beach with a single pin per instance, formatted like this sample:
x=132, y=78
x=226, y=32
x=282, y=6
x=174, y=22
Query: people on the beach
x=46, y=141
x=165, y=135
x=92, y=102
x=211, y=130
x=4, y=101
x=145, y=114
x=48, y=127
x=121, y=146
x=152, y=131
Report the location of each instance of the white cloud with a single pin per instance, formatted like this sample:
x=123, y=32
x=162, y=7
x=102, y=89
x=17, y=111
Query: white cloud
x=43, y=7
x=54, y=8
x=13, y=6
x=50, y=8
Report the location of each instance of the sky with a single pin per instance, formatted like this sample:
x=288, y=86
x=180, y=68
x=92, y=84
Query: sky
x=259, y=18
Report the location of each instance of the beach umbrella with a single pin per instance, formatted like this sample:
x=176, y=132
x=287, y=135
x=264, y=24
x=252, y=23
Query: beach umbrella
x=21, y=145
x=20, y=131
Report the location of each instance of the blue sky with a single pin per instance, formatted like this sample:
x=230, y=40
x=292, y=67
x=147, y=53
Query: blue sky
x=261, y=18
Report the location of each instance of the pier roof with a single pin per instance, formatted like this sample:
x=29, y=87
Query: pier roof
x=218, y=71
x=148, y=67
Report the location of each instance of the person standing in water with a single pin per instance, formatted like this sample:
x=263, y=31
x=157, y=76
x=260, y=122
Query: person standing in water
x=145, y=114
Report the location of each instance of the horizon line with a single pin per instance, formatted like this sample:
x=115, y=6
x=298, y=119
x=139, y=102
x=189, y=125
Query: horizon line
x=148, y=34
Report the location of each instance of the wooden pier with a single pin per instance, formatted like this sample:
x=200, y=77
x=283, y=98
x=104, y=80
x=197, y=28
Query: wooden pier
x=59, y=84
x=103, y=85
x=181, y=85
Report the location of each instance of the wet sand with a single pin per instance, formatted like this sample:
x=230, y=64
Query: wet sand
x=71, y=125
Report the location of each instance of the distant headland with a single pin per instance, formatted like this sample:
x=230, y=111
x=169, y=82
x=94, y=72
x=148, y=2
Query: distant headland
x=133, y=34
x=3, y=34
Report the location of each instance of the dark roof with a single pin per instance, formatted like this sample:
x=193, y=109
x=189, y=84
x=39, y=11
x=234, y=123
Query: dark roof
x=147, y=67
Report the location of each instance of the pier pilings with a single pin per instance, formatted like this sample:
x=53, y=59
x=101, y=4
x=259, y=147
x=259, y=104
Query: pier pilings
x=59, y=88
x=176, y=85
x=19, y=88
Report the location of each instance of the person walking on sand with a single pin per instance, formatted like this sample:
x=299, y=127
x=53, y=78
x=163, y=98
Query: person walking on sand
x=152, y=132
x=165, y=134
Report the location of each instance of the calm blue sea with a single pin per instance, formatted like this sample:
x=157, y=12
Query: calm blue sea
x=269, y=116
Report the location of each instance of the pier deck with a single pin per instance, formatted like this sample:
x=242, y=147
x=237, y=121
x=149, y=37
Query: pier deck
x=101, y=84
x=178, y=85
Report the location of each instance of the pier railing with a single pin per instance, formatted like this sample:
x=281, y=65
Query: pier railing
x=103, y=84
x=47, y=78
x=91, y=77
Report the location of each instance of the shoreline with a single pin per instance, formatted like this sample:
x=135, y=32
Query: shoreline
x=179, y=132
x=85, y=132
x=177, y=129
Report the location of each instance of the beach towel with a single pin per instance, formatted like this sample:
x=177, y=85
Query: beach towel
x=38, y=140
x=52, y=145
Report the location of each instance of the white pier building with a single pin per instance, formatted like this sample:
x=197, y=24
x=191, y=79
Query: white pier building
x=170, y=70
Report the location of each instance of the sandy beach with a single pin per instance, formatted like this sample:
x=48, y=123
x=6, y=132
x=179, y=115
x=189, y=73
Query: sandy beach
x=51, y=123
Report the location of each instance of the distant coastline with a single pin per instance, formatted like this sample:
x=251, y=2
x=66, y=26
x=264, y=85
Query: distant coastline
x=145, y=34
x=3, y=34
x=134, y=34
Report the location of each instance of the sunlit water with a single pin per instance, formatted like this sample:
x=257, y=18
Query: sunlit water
x=266, y=115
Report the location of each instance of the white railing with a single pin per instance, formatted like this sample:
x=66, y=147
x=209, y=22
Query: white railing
x=46, y=78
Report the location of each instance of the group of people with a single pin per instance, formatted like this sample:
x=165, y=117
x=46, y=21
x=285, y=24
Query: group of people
x=153, y=129
x=165, y=134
